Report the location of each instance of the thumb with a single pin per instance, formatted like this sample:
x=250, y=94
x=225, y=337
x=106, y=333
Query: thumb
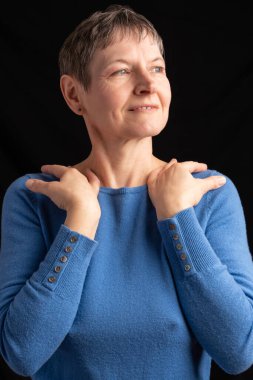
x=212, y=182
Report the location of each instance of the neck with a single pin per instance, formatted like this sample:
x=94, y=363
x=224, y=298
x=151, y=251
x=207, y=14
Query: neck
x=116, y=172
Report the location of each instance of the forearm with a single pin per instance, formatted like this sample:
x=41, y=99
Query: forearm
x=220, y=316
x=45, y=307
x=215, y=305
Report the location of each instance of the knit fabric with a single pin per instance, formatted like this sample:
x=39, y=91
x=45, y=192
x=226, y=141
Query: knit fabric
x=144, y=300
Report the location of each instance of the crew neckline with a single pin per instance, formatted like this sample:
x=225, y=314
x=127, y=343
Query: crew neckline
x=123, y=190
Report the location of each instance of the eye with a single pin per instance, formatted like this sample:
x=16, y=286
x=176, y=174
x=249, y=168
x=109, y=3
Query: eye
x=121, y=72
x=158, y=69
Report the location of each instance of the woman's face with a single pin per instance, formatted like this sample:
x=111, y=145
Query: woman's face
x=129, y=95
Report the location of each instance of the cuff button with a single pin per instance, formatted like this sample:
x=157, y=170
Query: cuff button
x=52, y=279
x=73, y=239
x=183, y=256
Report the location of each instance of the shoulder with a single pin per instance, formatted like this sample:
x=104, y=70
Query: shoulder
x=229, y=185
x=17, y=188
x=225, y=196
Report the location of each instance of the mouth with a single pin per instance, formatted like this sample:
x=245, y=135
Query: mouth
x=144, y=108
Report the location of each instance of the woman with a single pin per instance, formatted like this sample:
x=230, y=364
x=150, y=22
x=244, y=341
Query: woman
x=123, y=266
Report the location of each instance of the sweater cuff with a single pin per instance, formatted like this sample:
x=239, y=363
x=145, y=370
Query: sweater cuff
x=67, y=259
x=186, y=245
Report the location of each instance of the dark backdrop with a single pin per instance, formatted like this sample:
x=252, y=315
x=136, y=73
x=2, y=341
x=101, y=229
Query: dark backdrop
x=210, y=66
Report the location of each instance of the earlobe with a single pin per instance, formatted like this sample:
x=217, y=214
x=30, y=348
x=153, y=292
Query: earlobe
x=71, y=93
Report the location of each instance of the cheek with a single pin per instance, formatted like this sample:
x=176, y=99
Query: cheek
x=109, y=98
x=114, y=102
x=167, y=94
x=116, y=92
x=106, y=107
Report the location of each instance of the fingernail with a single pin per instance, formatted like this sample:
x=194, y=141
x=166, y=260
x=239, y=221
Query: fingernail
x=221, y=180
x=29, y=182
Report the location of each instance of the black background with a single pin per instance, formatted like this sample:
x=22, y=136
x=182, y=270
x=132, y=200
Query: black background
x=209, y=60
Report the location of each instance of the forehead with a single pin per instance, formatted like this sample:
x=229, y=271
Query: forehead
x=129, y=45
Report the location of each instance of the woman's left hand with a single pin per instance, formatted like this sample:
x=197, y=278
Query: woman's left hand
x=172, y=188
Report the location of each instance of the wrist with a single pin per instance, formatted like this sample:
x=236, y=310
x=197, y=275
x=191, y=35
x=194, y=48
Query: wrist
x=171, y=213
x=82, y=211
x=81, y=222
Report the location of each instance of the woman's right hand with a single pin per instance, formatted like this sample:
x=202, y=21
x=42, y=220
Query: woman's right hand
x=74, y=192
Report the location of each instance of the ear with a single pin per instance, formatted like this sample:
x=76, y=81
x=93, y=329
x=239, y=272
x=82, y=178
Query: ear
x=71, y=91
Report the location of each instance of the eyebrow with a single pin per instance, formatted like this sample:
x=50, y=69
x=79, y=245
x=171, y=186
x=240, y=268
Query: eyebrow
x=120, y=60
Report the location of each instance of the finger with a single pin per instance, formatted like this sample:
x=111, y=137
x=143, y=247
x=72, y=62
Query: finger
x=154, y=173
x=172, y=161
x=92, y=177
x=56, y=170
x=37, y=186
x=169, y=164
x=212, y=182
x=194, y=166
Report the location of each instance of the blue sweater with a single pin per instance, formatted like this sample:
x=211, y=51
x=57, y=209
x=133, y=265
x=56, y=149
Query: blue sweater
x=144, y=300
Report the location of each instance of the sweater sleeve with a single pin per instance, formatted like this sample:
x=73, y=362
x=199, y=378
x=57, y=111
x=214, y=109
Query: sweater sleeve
x=40, y=288
x=213, y=272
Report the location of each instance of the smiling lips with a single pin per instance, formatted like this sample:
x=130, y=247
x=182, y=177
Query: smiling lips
x=147, y=107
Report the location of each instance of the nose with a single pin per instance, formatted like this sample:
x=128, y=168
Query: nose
x=145, y=84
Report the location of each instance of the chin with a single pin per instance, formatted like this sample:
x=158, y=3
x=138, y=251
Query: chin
x=153, y=130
